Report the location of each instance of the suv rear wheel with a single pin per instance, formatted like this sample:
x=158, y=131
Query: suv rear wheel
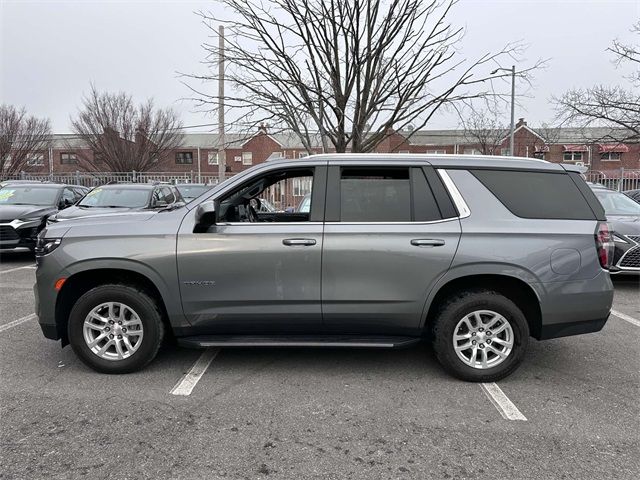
x=115, y=328
x=480, y=336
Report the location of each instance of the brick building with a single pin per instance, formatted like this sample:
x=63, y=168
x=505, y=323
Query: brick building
x=198, y=154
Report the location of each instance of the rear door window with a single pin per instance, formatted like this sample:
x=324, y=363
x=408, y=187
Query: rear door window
x=389, y=194
x=375, y=195
x=543, y=195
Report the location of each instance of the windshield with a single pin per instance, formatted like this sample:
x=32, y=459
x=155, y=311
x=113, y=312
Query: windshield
x=116, y=197
x=189, y=192
x=305, y=205
x=616, y=203
x=16, y=195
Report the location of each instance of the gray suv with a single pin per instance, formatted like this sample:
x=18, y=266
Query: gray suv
x=474, y=254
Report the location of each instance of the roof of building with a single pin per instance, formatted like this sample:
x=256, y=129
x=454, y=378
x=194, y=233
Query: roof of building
x=291, y=141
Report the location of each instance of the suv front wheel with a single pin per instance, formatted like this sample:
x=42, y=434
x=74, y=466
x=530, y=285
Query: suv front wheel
x=115, y=328
x=480, y=336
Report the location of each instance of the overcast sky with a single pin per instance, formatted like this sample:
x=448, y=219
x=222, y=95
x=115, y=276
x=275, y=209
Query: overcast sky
x=51, y=51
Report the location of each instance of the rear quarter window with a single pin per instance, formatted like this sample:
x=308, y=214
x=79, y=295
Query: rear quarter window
x=542, y=195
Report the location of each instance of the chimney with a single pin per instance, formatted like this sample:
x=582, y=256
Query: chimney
x=262, y=128
x=521, y=122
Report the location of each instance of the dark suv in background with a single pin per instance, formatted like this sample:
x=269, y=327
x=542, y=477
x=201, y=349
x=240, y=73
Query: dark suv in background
x=25, y=207
x=474, y=254
x=122, y=197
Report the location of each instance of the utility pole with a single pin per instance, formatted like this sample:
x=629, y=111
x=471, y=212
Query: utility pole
x=222, y=163
x=513, y=103
x=513, y=107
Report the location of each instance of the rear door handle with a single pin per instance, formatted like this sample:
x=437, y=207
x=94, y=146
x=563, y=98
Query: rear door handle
x=427, y=242
x=298, y=242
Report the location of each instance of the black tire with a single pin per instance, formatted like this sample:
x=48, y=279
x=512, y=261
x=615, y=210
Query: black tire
x=455, y=309
x=144, y=305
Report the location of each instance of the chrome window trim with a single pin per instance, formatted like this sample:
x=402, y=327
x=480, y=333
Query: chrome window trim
x=268, y=223
x=456, y=196
x=393, y=223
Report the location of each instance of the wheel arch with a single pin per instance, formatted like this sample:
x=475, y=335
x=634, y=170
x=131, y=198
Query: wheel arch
x=82, y=281
x=516, y=288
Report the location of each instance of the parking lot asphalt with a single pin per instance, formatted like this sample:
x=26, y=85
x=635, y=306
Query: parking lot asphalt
x=304, y=413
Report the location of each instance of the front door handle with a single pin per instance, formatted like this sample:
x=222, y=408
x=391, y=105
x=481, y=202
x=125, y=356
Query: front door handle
x=427, y=242
x=298, y=242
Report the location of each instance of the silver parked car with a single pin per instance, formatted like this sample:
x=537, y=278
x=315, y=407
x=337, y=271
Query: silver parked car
x=474, y=254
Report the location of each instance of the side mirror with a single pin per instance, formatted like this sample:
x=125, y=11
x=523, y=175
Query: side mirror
x=64, y=203
x=206, y=214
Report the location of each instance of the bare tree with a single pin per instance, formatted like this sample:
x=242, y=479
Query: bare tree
x=616, y=107
x=344, y=73
x=21, y=137
x=121, y=136
x=483, y=129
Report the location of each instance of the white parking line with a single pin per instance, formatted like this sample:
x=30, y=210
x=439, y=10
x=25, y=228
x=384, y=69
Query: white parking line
x=9, y=325
x=628, y=318
x=188, y=382
x=17, y=268
x=505, y=406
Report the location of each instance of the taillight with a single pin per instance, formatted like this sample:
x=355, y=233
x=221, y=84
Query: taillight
x=605, y=245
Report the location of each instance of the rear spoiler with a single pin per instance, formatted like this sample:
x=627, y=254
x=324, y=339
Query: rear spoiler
x=570, y=167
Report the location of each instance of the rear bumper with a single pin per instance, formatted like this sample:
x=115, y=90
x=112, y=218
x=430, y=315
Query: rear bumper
x=571, y=328
x=574, y=308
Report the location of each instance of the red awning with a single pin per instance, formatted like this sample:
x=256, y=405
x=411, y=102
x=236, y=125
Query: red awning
x=576, y=148
x=612, y=147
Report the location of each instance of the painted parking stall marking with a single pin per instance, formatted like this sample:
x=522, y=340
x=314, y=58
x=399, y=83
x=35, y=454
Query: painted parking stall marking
x=188, y=382
x=626, y=317
x=505, y=406
x=32, y=267
x=17, y=322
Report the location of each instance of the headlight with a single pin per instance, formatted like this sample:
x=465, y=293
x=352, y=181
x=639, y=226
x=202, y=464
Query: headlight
x=44, y=246
x=618, y=238
x=19, y=222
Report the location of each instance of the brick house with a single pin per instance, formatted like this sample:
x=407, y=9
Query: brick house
x=199, y=151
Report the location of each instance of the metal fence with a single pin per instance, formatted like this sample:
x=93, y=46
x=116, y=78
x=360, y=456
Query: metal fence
x=620, y=180
x=92, y=179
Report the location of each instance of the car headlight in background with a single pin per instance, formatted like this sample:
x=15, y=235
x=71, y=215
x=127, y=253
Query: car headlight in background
x=618, y=238
x=28, y=221
x=45, y=245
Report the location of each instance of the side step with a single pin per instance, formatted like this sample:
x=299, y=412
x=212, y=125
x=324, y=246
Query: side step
x=331, y=341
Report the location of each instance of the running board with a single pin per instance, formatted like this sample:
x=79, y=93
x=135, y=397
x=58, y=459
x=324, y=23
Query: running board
x=330, y=341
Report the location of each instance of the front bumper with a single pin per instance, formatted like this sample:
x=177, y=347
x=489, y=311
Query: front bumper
x=18, y=236
x=626, y=258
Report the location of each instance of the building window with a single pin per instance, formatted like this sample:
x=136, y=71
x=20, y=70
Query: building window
x=212, y=158
x=302, y=154
x=403, y=151
x=184, y=158
x=611, y=156
x=539, y=155
x=35, y=160
x=472, y=151
x=505, y=152
x=437, y=152
x=68, y=158
x=572, y=156
x=237, y=158
x=247, y=158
